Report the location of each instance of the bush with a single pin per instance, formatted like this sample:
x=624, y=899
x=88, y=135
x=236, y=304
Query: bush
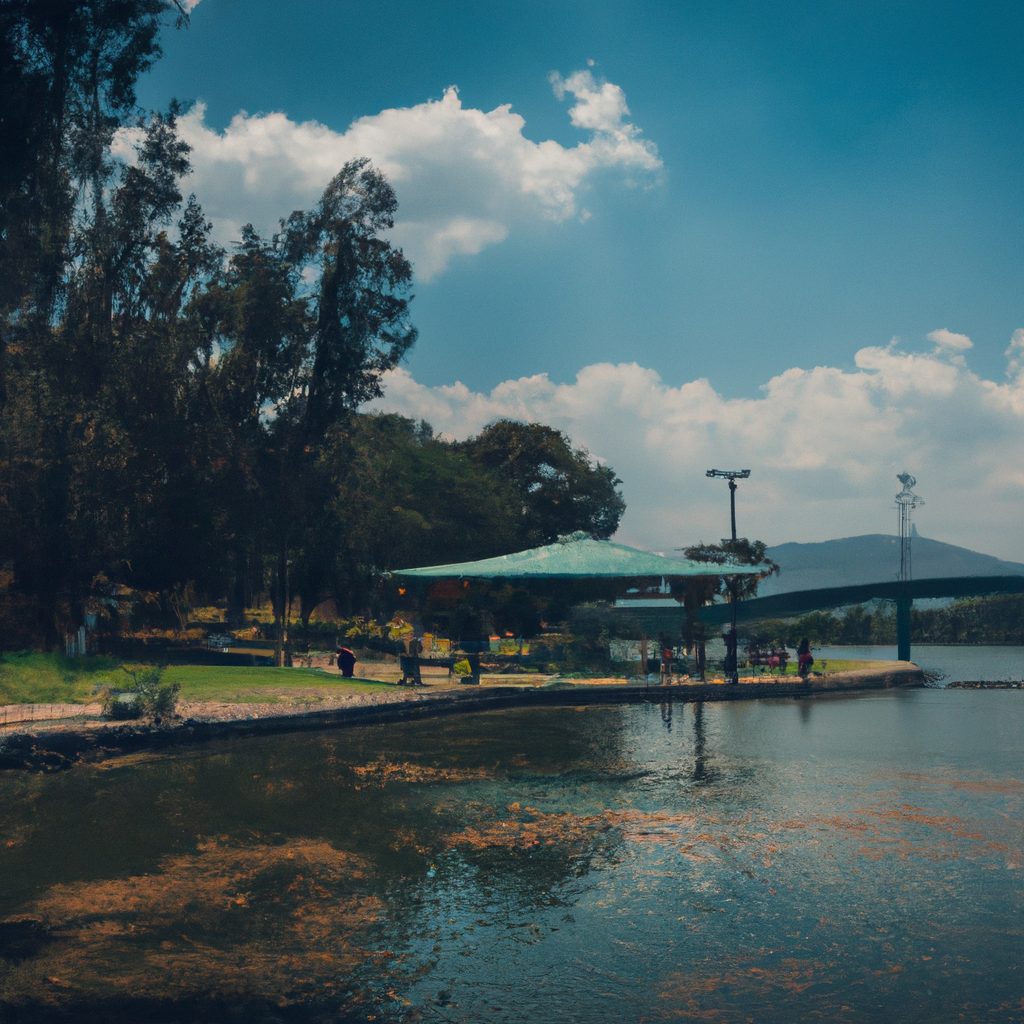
x=120, y=709
x=144, y=696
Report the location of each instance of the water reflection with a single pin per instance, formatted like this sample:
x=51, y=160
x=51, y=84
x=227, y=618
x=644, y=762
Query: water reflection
x=700, y=769
x=666, y=713
x=551, y=864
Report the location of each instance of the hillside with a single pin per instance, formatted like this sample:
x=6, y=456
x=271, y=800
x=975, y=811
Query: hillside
x=873, y=558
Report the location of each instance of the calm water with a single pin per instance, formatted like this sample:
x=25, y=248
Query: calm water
x=949, y=661
x=841, y=858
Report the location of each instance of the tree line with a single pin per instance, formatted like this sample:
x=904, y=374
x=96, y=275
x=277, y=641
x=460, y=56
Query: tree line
x=998, y=619
x=183, y=421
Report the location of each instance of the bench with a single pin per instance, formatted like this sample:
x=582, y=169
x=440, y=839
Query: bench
x=410, y=665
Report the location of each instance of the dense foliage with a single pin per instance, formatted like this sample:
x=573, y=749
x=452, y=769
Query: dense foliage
x=976, y=620
x=182, y=423
x=700, y=590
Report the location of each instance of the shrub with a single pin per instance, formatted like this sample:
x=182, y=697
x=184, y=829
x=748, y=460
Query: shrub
x=143, y=696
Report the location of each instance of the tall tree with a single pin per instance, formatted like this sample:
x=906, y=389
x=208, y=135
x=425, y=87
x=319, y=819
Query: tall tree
x=558, y=489
x=75, y=229
x=305, y=324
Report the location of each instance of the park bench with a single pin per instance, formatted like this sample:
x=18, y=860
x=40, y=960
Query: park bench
x=410, y=665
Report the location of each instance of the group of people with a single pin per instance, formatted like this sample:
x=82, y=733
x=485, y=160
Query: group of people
x=347, y=659
x=778, y=657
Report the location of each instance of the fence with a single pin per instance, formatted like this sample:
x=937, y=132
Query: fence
x=74, y=643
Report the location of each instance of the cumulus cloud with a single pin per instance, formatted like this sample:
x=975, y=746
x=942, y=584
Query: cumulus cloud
x=465, y=178
x=1015, y=355
x=824, y=445
x=947, y=339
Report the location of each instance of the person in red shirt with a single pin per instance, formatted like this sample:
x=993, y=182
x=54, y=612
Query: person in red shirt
x=804, y=658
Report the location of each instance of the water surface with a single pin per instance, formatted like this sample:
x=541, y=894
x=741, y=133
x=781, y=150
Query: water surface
x=844, y=858
x=947, y=662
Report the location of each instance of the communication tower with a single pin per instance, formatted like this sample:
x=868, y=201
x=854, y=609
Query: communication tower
x=906, y=502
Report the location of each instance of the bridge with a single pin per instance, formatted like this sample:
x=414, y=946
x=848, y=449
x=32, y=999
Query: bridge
x=797, y=602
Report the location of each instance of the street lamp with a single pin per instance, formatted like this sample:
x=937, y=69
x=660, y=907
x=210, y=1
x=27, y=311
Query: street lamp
x=732, y=475
x=731, y=654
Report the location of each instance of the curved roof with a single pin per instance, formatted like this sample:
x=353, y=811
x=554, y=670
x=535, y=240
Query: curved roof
x=577, y=558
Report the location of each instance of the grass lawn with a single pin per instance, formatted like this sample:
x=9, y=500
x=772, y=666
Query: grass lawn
x=30, y=678
x=832, y=665
x=248, y=684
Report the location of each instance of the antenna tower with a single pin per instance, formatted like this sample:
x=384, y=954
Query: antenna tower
x=906, y=502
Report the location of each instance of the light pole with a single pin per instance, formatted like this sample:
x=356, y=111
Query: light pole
x=731, y=652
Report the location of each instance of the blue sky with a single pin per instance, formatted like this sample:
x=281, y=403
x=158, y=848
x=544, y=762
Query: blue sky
x=735, y=192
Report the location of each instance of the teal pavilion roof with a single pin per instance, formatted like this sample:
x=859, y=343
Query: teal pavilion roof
x=576, y=558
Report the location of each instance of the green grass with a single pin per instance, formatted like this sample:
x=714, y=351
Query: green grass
x=831, y=665
x=841, y=665
x=247, y=684
x=29, y=678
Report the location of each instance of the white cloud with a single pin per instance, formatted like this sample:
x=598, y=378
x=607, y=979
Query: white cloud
x=1015, y=355
x=947, y=339
x=824, y=445
x=465, y=178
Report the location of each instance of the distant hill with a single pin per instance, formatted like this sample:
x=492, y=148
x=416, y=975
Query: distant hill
x=871, y=559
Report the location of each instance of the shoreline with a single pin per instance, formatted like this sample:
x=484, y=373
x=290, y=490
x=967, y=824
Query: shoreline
x=59, y=743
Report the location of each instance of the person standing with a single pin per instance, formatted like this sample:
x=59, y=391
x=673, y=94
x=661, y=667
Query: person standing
x=804, y=658
x=346, y=662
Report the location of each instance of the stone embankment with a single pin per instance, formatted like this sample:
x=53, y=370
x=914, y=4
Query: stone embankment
x=54, y=737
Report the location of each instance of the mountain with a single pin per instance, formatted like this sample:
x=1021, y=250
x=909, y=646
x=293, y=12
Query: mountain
x=872, y=559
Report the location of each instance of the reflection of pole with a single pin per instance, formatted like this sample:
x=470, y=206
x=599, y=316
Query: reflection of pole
x=698, y=742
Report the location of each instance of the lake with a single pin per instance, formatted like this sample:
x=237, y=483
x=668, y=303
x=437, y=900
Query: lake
x=855, y=858
x=948, y=662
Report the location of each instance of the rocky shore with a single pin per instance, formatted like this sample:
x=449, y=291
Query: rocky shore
x=999, y=684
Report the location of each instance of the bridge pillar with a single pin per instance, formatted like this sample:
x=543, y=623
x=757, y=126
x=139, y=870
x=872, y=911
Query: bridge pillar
x=903, y=606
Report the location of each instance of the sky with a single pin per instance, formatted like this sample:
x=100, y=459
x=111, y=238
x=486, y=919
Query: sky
x=783, y=237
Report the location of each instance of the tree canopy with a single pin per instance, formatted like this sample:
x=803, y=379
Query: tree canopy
x=179, y=419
